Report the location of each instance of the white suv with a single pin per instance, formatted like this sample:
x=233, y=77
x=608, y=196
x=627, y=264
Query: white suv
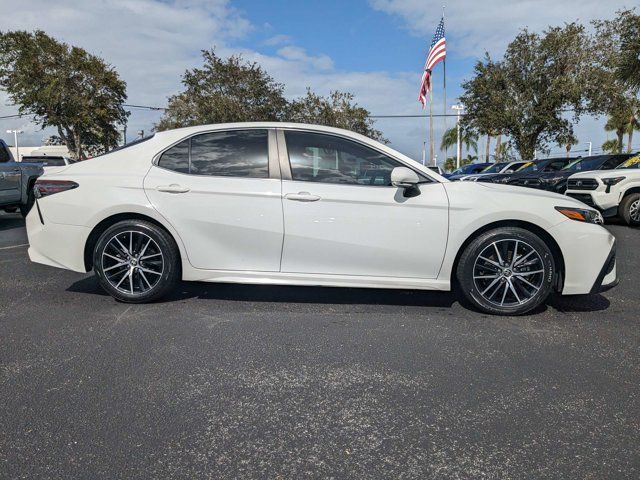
x=613, y=192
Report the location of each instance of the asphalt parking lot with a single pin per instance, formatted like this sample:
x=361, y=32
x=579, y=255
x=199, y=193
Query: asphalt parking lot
x=230, y=381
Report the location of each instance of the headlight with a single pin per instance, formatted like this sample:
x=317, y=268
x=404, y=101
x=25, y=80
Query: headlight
x=609, y=182
x=612, y=181
x=581, y=215
x=551, y=179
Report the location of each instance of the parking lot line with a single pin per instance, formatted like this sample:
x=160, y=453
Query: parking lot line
x=14, y=246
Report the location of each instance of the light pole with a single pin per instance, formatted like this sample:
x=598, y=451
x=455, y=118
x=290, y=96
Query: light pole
x=589, y=148
x=15, y=140
x=458, y=108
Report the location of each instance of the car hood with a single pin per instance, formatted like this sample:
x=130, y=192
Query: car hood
x=501, y=194
x=622, y=172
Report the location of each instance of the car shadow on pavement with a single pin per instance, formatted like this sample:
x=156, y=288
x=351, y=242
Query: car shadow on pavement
x=11, y=222
x=339, y=296
x=289, y=294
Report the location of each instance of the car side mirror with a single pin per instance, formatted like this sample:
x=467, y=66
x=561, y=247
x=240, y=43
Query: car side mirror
x=403, y=177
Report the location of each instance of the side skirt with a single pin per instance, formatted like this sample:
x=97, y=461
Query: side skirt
x=321, y=280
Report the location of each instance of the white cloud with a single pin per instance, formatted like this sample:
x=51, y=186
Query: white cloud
x=474, y=27
x=278, y=40
x=151, y=43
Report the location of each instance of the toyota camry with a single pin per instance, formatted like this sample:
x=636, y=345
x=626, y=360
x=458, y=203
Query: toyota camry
x=290, y=204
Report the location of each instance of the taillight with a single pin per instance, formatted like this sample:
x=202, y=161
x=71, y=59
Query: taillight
x=44, y=188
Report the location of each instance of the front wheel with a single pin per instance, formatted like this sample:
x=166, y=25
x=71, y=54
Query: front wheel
x=630, y=209
x=506, y=271
x=136, y=261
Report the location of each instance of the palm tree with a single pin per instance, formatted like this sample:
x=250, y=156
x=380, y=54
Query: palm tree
x=567, y=141
x=617, y=124
x=611, y=146
x=468, y=138
x=633, y=124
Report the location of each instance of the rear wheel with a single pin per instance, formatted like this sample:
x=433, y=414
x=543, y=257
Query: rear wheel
x=506, y=271
x=630, y=209
x=136, y=261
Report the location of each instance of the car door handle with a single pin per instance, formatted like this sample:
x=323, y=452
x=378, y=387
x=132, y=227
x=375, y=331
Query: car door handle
x=173, y=188
x=302, y=197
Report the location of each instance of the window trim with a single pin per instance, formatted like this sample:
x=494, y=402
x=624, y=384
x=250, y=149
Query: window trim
x=285, y=165
x=272, y=153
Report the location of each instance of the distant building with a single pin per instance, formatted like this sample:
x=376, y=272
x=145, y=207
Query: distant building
x=57, y=150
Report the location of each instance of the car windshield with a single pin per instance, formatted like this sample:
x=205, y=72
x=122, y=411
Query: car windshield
x=495, y=168
x=583, y=164
x=531, y=166
x=633, y=162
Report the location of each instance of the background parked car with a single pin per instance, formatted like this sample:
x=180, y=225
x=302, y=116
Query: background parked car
x=16, y=182
x=465, y=170
x=557, y=181
x=50, y=163
x=436, y=169
x=613, y=192
x=544, y=165
x=496, y=168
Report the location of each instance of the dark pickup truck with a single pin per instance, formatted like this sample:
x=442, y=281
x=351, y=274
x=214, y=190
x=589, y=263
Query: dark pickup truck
x=16, y=182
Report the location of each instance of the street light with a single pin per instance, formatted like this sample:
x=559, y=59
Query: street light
x=458, y=109
x=15, y=140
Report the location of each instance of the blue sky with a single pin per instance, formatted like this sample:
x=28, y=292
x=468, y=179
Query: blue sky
x=373, y=48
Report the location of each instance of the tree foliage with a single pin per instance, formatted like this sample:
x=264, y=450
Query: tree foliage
x=337, y=110
x=225, y=90
x=234, y=90
x=527, y=94
x=63, y=87
x=628, y=67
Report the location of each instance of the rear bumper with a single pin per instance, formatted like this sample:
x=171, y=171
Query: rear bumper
x=55, y=244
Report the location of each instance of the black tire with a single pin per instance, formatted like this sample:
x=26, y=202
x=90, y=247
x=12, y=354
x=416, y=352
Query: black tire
x=475, y=274
x=629, y=209
x=25, y=208
x=163, y=249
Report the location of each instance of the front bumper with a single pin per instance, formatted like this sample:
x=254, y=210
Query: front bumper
x=587, y=253
x=607, y=203
x=608, y=277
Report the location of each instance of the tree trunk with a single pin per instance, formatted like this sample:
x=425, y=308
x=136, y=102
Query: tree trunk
x=498, y=153
x=487, y=149
x=629, y=140
x=620, y=135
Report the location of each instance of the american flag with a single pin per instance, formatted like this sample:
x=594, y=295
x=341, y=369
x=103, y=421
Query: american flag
x=437, y=53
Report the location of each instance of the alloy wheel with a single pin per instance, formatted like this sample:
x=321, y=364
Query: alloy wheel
x=508, y=273
x=634, y=211
x=132, y=262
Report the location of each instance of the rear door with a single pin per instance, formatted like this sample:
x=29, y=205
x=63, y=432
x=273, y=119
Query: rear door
x=343, y=216
x=10, y=177
x=221, y=191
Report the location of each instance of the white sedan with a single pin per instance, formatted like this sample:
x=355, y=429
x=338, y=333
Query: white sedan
x=290, y=204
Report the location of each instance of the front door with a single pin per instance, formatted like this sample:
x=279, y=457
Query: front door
x=216, y=191
x=343, y=216
x=10, y=178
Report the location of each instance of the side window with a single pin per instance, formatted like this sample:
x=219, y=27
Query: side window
x=5, y=156
x=316, y=157
x=555, y=166
x=176, y=158
x=236, y=153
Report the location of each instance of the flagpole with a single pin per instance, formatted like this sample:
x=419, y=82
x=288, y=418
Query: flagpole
x=431, y=126
x=444, y=82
